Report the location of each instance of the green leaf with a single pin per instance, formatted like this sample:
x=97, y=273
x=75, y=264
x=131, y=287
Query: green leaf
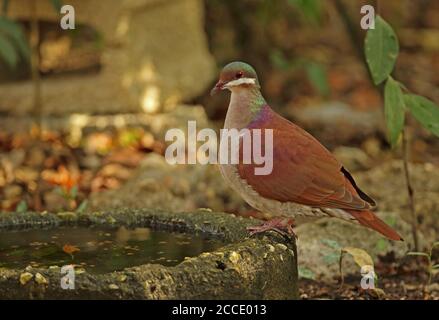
x=278, y=60
x=7, y=52
x=318, y=77
x=331, y=258
x=391, y=221
x=21, y=207
x=311, y=9
x=331, y=243
x=394, y=110
x=74, y=192
x=421, y=254
x=436, y=266
x=382, y=245
x=5, y=6
x=425, y=111
x=381, y=49
x=57, y=4
x=14, y=32
x=81, y=208
x=306, y=273
x=60, y=191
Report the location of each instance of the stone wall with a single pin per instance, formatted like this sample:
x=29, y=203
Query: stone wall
x=155, y=56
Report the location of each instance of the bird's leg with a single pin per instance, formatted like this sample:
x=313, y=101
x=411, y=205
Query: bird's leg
x=281, y=225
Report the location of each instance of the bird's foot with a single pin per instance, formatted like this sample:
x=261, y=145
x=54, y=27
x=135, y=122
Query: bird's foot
x=281, y=225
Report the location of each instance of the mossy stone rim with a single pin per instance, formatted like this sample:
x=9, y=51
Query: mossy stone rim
x=262, y=267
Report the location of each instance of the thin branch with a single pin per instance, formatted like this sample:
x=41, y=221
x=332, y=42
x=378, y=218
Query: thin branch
x=351, y=29
x=340, y=266
x=410, y=191
x=354, y=34
x=35, y=62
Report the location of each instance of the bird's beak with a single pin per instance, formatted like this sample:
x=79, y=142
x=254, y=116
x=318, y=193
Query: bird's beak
x=218, y=87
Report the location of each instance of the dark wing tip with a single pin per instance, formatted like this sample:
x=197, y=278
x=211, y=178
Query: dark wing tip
x=360, y=192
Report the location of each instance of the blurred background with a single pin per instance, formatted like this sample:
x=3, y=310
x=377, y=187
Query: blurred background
x=82, y=109
x=83, y=112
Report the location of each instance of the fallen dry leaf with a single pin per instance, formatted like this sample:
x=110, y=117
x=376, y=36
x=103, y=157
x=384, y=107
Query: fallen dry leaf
x=62, y=177
x=70, y=249
x=361, y=257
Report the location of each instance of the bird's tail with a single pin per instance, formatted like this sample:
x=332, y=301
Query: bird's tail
x=370, y=220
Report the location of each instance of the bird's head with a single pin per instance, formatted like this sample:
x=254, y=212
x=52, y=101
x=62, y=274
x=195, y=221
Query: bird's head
x=236, y=75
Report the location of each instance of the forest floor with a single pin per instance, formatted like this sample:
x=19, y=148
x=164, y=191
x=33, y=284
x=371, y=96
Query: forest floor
x=395, y=289
x=407, y=282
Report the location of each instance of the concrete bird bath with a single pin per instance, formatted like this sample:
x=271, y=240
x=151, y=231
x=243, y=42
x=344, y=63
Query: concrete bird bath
x=143, y=254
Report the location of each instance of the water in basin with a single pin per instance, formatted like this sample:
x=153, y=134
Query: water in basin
x=100, y=250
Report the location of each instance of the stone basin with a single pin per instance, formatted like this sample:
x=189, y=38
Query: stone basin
x=225, y=264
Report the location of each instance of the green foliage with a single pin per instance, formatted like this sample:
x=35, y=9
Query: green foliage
x=331, y=243
x=333, y=255
x=331, y=258
x=425, y=111
x=382, y=245
x=306, y=273
x=13, y=43
x=391, y=221
x=70, y=196
x=318, y=77
x=129, y=137
x=315, y=71
x=21, y=207
x=394, y=110
x=278, y=60
x=431, y=267
x=311, y=9
x=57, y=4
x=81, y=208
x=73, y=192
x=5, y=6
x=382, y=50
x=7, y=52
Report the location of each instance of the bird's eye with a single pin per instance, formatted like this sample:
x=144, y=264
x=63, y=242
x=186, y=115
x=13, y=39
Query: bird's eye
x=239, y=75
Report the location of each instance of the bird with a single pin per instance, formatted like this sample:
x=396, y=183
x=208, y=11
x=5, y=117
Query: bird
x=306, y=179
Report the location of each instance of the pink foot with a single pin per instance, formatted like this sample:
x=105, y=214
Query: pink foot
x=281, y=225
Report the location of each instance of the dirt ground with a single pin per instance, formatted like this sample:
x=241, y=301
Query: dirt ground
x=408, y=280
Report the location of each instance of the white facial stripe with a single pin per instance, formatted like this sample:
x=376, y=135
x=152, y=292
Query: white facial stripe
x=240, y=81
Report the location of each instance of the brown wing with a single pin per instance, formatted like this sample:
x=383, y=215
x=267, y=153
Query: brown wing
x=304, y=171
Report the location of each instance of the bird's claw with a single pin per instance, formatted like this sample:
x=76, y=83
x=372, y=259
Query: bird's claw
x=280, y=225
